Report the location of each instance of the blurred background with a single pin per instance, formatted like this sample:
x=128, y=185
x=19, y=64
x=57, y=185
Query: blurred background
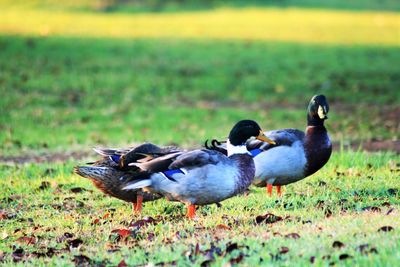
x=118, y=72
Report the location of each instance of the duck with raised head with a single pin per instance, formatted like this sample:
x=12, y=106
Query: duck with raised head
x=296, y=154
x=202, y=177
x=110, y=173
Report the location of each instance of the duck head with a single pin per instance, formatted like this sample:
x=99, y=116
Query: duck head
x=241, y=133
x=318, y=109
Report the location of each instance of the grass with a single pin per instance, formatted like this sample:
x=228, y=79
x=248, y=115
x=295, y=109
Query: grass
x=88, y=73
x=330, y=206
x=57, y=91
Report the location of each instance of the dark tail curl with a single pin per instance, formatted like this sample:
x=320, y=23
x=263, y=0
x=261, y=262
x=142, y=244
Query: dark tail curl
x=215, y=145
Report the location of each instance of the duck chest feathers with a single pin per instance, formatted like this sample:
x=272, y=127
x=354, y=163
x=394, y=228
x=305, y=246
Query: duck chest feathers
x=318, y=148
x=246, y=171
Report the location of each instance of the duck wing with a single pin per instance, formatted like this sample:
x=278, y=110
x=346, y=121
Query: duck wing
x=146, y=152
x=158, y=164
x=197, y=158
x=283, y=137
x=141, y=153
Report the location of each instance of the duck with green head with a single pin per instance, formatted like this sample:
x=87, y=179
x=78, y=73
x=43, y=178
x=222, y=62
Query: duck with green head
x=204, y=176
x=296, y=154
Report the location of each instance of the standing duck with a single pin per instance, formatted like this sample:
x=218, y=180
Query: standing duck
x=203, y=176
x=295, y=155
x=110, y=173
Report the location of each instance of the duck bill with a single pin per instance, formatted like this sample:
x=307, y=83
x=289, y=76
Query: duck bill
x=263, y=138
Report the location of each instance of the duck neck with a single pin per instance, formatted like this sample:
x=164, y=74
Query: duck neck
x=232, y=150
x=318, y=148
x=313, y=121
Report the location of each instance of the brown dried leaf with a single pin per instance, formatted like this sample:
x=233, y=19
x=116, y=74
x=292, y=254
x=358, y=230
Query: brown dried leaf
x=82, y=260
x=122, y=263
x=268, y=218
x=223, y=227
x=237, y=260
x=284, y=250
x=338, y=244
x=44, y=185
x=372, y=208
x=386, y=229
x=344, y=256
x=75, y=243
x=77, y=189
x=122, y=232
x=27, y=240
x=389, y=211
x=144, y=222
x=293, y=235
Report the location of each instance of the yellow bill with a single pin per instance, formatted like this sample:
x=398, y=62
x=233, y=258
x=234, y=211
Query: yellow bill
x=263, y=138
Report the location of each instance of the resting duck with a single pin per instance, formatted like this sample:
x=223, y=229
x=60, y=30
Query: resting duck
x=296, y=154
x=203, y=176
x=111, y=172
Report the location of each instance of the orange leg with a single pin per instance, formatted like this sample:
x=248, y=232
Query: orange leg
x=138, y=206
x=278, y=190
x=191, y=211
x=269, y=189
x=133, y=207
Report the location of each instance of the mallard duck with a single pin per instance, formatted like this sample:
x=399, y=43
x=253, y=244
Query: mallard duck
x=203, y=176
x=110, y=173
x=295, y=155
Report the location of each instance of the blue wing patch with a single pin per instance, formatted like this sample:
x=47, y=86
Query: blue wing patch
x=255, y=152
x=169, y=174
x=115, y=158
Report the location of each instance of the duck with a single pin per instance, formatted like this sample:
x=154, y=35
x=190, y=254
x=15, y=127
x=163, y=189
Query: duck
x=110, y=172
x=203, y=176
x=295, y=154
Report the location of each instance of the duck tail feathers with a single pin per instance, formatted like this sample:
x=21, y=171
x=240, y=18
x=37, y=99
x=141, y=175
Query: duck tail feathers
x=138, y=184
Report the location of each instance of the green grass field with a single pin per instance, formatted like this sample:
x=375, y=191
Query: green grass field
x=108, y=73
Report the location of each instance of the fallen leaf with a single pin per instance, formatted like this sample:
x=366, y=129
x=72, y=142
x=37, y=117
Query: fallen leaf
x=293, y=235
x=372, y=208
x=122, y=232
x=144, y=222
x=27, y=240
x=364, y=249
x=328, y=213
x=44, y=185
x=82, y=260
x=77, y=189
x=385, y=229
x=231, y=247
x=223, y=227
x=344, y=256
x=389, y=211
x=3, y=215
x=338, y=244
x=18, y=254
x=268, y=218
x=122, y=263
x=75, y=243
x=284, y=250
x=237, y=260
